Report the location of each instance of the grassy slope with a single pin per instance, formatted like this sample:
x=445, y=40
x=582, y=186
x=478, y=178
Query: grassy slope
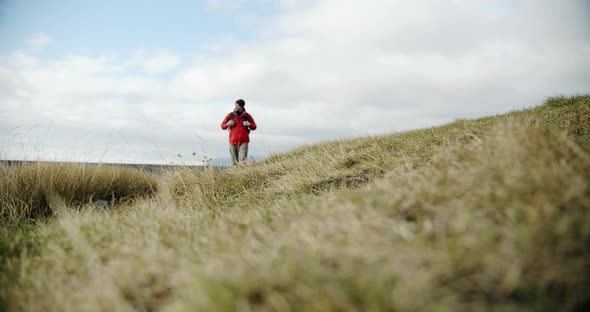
x=489, y=213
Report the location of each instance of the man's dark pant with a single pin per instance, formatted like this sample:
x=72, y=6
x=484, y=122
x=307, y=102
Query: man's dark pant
x=238, y=152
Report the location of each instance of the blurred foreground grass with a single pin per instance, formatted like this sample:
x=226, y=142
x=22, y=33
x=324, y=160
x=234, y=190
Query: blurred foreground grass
x=487, y=214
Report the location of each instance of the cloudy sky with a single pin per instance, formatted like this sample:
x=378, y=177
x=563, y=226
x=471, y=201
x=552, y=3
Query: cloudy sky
x=144, y=81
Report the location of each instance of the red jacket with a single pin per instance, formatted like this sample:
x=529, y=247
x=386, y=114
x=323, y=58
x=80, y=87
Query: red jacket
x=238, y=134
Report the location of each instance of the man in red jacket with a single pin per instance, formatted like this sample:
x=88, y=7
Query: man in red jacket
x=239, y=123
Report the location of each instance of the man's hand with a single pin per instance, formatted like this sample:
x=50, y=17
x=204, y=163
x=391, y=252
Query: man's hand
x=246, y=123
x=230, y=123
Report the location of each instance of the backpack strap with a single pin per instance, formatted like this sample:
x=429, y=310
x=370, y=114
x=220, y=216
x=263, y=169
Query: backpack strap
x=245, y=118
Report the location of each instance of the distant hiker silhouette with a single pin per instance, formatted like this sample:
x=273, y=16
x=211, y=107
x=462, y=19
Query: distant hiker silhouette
x=239, y=124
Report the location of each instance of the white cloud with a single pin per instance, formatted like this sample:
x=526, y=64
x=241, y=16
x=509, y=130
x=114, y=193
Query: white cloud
x=322, y=70
x=155, y=62
x=39, y=41
x=419, y=57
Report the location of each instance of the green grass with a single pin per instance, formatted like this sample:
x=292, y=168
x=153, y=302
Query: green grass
x=487, y=214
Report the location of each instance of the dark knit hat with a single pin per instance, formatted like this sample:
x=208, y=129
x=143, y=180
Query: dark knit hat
x=241, y=102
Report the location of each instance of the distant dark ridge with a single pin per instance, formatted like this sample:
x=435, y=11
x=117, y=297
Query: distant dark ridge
x=154, y=168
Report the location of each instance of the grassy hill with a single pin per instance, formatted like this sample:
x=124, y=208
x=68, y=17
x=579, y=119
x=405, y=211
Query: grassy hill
x=486, y=214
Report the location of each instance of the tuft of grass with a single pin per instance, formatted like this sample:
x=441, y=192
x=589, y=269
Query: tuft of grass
x=563, y=100
x=34, y=191
x=486, y=214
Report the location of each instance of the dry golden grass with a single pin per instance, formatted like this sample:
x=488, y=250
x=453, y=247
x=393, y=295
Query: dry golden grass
x=488, y=214
x=34, y=191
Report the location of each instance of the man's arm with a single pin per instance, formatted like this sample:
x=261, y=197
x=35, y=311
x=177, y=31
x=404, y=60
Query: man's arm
x=252, y=123
x=224, y=122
